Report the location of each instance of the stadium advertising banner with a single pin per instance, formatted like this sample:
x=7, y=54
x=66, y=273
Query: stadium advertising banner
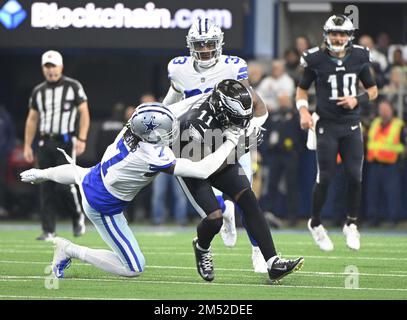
x=155, y=24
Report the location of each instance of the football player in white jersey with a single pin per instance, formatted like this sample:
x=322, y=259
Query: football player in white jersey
x=199, y=73
x=139, y=152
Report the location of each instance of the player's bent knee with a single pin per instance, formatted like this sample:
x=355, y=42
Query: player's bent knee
x=217, y=214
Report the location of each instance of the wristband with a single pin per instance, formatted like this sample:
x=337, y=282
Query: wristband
x=301, y=103
x=362, y=98
x=81, y=140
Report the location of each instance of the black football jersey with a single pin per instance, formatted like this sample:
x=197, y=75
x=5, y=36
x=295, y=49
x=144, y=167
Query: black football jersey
x=335, y=78
x=199, y=126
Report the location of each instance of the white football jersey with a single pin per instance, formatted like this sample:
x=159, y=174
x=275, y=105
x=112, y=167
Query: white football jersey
x=190, y=82
x=123, y=173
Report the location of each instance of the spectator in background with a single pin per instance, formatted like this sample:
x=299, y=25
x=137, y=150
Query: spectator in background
x=302, y=44
x=397, y=84
x=109, y=129
x=376, y=55
x=255, y=73
x=292, y=64
x=383, y=42
x=398, y=59
x=7, y=141
x=283, y=142
x=278, y=88
x=385, y=150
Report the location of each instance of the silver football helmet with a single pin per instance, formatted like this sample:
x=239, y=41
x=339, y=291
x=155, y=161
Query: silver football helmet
x=154, y=123
x=205, y=41
x=338, y=23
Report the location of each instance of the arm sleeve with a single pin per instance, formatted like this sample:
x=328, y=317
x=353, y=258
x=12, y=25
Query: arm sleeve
x=307, y=78
x=207, y=166
x=172, y=96
x=366, y=77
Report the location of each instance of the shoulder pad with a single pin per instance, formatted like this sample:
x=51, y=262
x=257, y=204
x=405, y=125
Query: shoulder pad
x=363, y=52
x=309, y=58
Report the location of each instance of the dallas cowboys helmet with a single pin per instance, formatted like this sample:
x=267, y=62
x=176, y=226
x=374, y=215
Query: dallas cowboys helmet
x=205, y=41
x=232, y=103
x=338, y=23
x=154, y=123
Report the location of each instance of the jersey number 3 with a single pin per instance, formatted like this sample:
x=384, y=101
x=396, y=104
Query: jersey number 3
x=349, y=85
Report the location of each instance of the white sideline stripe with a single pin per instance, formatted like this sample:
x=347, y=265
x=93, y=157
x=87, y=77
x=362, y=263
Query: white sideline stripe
x=200, y=283
x=228, y=254
x=395, y=274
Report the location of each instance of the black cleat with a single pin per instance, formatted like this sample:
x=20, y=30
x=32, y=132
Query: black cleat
x=283, y=267
x=204, y=262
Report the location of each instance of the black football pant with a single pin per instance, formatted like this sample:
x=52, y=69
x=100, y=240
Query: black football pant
x=345, y=139
x=56, y=198
x=231, y=181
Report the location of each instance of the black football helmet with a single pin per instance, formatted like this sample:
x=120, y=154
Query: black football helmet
x=232, y=104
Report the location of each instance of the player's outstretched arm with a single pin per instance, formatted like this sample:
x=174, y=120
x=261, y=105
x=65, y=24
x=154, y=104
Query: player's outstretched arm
x=207, y=166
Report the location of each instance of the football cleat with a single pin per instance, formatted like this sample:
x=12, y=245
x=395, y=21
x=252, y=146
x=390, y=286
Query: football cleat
x=320, y=236
x=61, y=260
x=204, y=263
x=259, y=264
x=282, y=267
x=228, y=231
x=46, y=236
x=352, y=236
x=32, y=176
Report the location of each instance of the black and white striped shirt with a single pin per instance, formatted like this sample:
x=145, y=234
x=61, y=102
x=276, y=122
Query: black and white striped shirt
x=57, y=104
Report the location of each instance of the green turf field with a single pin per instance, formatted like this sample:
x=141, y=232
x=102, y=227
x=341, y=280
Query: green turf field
x=171, y=273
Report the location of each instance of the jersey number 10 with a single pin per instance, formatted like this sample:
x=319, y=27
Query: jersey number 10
x=349, y=85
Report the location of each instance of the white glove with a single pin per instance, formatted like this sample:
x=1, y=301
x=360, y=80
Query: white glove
x=233, y=134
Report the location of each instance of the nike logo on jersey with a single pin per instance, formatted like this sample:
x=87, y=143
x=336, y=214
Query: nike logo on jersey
x=354, y=127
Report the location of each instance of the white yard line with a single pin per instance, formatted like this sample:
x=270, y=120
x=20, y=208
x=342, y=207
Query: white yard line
x=305, y=273
x=200, y=283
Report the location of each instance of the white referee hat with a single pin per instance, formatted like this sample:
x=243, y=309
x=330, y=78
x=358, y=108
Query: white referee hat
x=53, y=57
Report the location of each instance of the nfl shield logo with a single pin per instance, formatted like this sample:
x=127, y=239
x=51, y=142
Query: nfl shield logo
x=202, y=80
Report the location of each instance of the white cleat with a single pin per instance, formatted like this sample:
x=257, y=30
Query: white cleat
x=320, y=236
x=259, y=264
x=32, y=176
x=61, y=260
x=352, y=236
x=228, y=230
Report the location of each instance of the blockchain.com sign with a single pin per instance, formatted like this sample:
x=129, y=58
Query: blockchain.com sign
x=114, y=24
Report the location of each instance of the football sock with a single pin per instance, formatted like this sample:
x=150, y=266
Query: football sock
x=318, y=200
x=64, y=174
x=102, y=259
x=206, y=230
x=354, y=196
x=256, y=223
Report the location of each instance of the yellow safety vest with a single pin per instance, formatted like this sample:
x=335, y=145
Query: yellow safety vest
x=384, y=143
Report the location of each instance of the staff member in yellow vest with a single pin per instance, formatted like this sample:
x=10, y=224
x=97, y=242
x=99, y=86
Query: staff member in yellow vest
x=385, y=150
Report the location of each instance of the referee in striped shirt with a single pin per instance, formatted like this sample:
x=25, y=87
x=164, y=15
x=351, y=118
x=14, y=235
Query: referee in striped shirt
x=54, y=108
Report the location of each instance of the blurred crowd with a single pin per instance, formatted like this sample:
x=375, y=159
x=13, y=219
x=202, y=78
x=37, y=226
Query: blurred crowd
x=284, y=168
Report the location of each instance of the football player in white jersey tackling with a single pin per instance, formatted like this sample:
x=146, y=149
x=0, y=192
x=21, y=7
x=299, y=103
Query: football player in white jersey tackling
x=139, y=152
x=199, y=73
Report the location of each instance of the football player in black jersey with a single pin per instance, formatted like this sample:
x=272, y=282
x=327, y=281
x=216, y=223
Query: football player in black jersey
x=230, y=103
x=336, y=69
